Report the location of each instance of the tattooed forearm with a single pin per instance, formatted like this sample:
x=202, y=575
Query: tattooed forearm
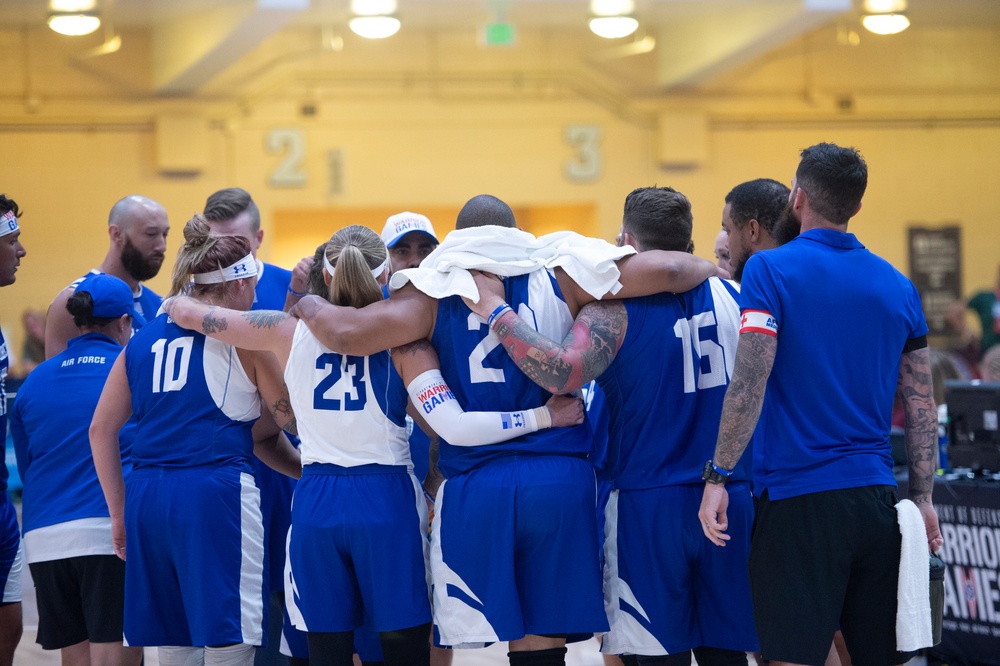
x=586, y=351
x=284, y=416
x=915, y=390
x=745, y=396
x=265, y=318
x=213, y=323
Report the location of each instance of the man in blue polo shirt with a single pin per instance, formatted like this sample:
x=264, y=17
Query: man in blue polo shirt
x=828, y=329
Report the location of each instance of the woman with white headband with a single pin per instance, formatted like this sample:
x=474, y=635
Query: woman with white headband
x=358, y=515
x=190, y=512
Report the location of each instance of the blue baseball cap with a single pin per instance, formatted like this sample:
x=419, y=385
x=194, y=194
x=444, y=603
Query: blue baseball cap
x=111, y=296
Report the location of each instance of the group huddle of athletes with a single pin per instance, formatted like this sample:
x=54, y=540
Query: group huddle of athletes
x=488, y=379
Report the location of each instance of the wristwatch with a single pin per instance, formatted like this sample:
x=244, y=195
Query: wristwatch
x=715, y=474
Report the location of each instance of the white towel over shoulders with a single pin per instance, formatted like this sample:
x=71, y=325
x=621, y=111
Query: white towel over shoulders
x=913, y=606
x=590, y=262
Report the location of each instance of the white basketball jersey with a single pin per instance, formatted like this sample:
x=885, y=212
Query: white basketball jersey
x=350, y=410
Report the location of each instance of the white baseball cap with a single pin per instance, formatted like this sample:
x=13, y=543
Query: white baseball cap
x=401, y=224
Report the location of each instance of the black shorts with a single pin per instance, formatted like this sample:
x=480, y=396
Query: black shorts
x=825, y=560
x=79, y=599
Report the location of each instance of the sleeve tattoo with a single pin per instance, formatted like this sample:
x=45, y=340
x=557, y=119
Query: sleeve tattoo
x=915, y=390
x=745, y=396
x=264, y=318
x=583, y=354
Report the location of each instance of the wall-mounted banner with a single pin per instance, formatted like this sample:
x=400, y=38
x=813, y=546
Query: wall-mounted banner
x=936, y=270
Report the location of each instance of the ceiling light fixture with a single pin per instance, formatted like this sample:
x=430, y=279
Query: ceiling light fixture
x=885, y=24
x=885, y=17
x=82, y=23
x=374, y=18
x=613, y=27
x=612, y=18
x=374, y=27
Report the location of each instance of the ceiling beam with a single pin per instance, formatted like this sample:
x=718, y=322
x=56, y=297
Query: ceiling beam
x=189, y=51
x=698, y=48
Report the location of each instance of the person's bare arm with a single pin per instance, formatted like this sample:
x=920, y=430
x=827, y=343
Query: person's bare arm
x=271, y=386
x=113, y=409
x=558, y=367
x=299, y=283
x=258, y=330
x=407, y=316
x=59, y=326
x=644, y=274
x=916, y=392
x=272, y=446
x=740, y=412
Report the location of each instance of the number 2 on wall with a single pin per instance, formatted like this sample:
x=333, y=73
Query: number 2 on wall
x=289, y=171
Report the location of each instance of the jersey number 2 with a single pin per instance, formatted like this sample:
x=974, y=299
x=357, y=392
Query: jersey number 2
x=354, y=396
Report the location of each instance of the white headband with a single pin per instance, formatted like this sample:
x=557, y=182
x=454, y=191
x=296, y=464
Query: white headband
x=8, y=223
x=375, y=271
x=244, y=268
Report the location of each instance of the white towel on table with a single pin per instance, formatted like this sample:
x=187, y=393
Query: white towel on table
x=913, y=605
x=503, y=251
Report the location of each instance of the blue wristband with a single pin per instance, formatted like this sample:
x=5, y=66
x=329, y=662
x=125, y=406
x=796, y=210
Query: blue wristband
x=300, y=294
x=497, y=313
x=724, y=472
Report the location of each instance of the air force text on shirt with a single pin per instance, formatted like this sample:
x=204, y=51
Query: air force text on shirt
x=80, y=360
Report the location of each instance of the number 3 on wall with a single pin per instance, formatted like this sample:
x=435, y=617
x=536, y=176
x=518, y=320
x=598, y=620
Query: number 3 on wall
x=586, y=141
x=289, y=171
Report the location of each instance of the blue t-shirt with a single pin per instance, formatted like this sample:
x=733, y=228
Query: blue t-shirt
x=666, y=386
x=484, y=378
x=50, y=423
x=843, y=317
x=272, y=287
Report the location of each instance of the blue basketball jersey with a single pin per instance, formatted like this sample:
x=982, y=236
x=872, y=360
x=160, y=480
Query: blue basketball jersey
x=192, y=400
x=147, y=303
x=484, y=378
x=666, y=386
x=4, y=362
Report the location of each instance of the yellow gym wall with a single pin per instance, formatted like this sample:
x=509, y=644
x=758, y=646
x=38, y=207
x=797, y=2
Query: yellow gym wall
x=933, y=157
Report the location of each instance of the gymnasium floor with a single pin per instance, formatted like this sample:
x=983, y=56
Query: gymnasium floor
x=29, y=653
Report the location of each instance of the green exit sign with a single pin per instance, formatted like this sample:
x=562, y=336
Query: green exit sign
x=500, y=33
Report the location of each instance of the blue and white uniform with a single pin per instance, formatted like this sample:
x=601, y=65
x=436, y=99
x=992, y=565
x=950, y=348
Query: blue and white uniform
x=667, y=588
x=64, y=513
x=10, y=537
x=147, y=301
x=191, y=506
x=356, y=549
x=514, y=541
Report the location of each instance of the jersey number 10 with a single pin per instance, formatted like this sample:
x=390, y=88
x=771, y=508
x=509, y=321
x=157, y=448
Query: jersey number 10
x=170, y=373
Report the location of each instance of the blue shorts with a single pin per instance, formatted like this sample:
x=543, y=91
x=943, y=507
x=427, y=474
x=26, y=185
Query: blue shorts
x=195, y=558
x=514, y=552
x=357, y=550
x=10, y=552
x=669, y=589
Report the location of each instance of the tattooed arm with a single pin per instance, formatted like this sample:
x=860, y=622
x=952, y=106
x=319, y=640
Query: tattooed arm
x=586, y=351
x=274, y=449
x=259, y=330
x=740, y=411
x=915, y=390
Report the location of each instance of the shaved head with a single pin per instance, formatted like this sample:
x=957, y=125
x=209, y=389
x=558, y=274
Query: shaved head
x=128, y=209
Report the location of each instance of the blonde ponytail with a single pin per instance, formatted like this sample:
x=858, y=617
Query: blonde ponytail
x=354, y=252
